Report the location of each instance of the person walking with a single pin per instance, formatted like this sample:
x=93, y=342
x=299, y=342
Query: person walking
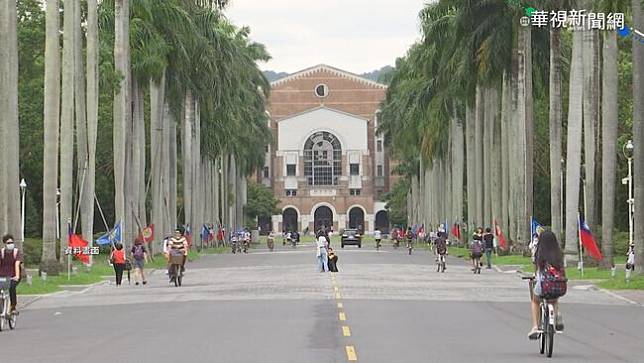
x=117, y=256
x=476, y=248
x=322, y=255
x=140, y=256
x=488, y=243
x=333, y=261
x=10, y=261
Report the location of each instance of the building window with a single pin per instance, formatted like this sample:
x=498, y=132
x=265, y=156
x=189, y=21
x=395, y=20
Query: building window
x=354, y=169
x=291, y=192
x=321, y=90
x=266, y=172
x=379, y=145
x=322, y=159
x=379, y=170
x=354, y=191
x=290, y=170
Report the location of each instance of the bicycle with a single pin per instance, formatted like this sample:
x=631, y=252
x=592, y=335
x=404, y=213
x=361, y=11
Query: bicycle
x=176, y=276
x=410, y=246
x=547, y=319
x=377, y=245
x=441, y=259
x=6, y=317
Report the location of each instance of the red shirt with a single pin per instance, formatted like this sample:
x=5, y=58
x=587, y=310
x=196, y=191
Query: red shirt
x=119, y=256
x=8, y=263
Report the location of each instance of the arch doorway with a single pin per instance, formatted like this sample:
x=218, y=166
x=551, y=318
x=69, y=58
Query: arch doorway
x=356, y=218
x=289, y=219
x=382, y=221
x=323, y=217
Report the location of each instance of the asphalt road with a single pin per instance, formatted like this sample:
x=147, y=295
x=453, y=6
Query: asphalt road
x=274, y=307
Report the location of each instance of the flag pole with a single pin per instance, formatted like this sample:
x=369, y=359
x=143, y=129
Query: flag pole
x=69, y=256
x=581, y=254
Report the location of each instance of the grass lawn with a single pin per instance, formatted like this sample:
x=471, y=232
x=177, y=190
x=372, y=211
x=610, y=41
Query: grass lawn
x=99, y=269
x=619, y=283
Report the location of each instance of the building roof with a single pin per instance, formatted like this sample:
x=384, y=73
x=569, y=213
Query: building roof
x=332, y=70
x=321, y=108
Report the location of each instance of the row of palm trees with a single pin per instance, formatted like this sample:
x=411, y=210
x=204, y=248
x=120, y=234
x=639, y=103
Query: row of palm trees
x=461, y=102
x=178, y=69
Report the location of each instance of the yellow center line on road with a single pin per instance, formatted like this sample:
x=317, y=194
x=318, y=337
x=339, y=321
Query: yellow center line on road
x=351, y=353
x=336, y=288
x=342, y=316
x=338, y=296
x=346, y=331
x=340, y=306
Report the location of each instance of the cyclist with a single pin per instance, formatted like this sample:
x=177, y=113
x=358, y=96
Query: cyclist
x=548, y=255
x=178, y=245
x=10, y=260
x=410, y=237
x=377, y=236
x=441, y=246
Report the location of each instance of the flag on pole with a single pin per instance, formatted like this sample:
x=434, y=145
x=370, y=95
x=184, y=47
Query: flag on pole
x=535, y=228
x=500, y=237
x=112, y=236
x=147, y=234
x=456, y=231
x=79, y=246
x=588, y=241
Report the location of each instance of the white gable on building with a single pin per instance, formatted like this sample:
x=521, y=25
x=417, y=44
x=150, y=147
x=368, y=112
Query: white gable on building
x=351, y=130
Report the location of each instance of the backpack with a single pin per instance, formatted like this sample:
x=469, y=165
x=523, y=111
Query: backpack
x=23, y=273
x=553, y=282
x=138, y=252
x=476, y=247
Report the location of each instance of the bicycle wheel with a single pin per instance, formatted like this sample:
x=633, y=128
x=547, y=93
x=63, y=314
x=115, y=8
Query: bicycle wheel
x=175, y=274
x=180, y=279
x=543, y=327
x=2, y=319
x=550, y=337
x=13, y=318
x=443, y=267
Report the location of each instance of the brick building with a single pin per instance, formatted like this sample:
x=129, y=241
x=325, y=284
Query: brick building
x=327, y=166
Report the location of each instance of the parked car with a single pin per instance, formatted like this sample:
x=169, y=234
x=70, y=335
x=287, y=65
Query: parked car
x=351, y=237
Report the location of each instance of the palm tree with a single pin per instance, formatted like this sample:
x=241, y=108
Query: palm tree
x=638, y=136
x=555, y=125
x=573, y=153
x=49, y=263
x=10, y=215
x=609, y=139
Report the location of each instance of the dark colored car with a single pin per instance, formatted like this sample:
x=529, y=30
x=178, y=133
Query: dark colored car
x=351, y=237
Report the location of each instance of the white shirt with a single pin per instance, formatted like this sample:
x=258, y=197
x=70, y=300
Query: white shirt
x=321, y=242
x=376, y=234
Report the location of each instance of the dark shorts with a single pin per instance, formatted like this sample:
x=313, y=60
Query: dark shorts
x=476, y=255
x=139, y=263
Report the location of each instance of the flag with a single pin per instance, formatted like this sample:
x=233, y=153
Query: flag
x=499, y=236
x=421, y=231
x=456, y=231
x=78, y=244
x=147, y=234
x=535, y=227
x=112, y=236
x=588, y=241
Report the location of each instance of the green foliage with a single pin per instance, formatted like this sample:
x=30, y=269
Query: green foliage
x=260, y=202
x=396, y=203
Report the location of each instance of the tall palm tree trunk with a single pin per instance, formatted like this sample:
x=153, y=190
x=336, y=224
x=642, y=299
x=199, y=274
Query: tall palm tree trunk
x=573, y=153
x=120, y=111
x=187, y=137
x=157, y=103
x=526, y=127
x=505, y=151
x=609, y=140
x=638, y=137
x=67, y=124
x=486, y=151
x=141, y=140
x=457, y=176
x=589, y=120
x=172, y=169
x=82, y=151
x=516, y=152
x=470, y=165
x=9, y=122
x=555, y=125
x=87, y=202
x=478, y=154
x=495, y=165
x=49, y=262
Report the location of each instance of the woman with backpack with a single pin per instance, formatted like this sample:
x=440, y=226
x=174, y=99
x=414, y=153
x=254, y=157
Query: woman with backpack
x=476, y=250
x=140, y=256
x=550, y=279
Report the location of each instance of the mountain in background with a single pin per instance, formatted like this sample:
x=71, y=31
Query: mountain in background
x=382, y=75
x=274, y=76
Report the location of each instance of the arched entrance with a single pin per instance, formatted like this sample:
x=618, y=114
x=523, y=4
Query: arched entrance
x=323, y=217
x=382, y=221
x=289, y=219
x=264, y=222
x=356, y=218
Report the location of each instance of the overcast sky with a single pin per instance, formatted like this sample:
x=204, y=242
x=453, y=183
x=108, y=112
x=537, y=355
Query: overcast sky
x=355, y=35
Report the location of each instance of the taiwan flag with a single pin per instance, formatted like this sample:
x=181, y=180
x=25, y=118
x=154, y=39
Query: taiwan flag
x=499, y=236
x=456, y=231
x=588, y=241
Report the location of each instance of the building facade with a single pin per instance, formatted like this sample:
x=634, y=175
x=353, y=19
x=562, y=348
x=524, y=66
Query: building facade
x=327, y=166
